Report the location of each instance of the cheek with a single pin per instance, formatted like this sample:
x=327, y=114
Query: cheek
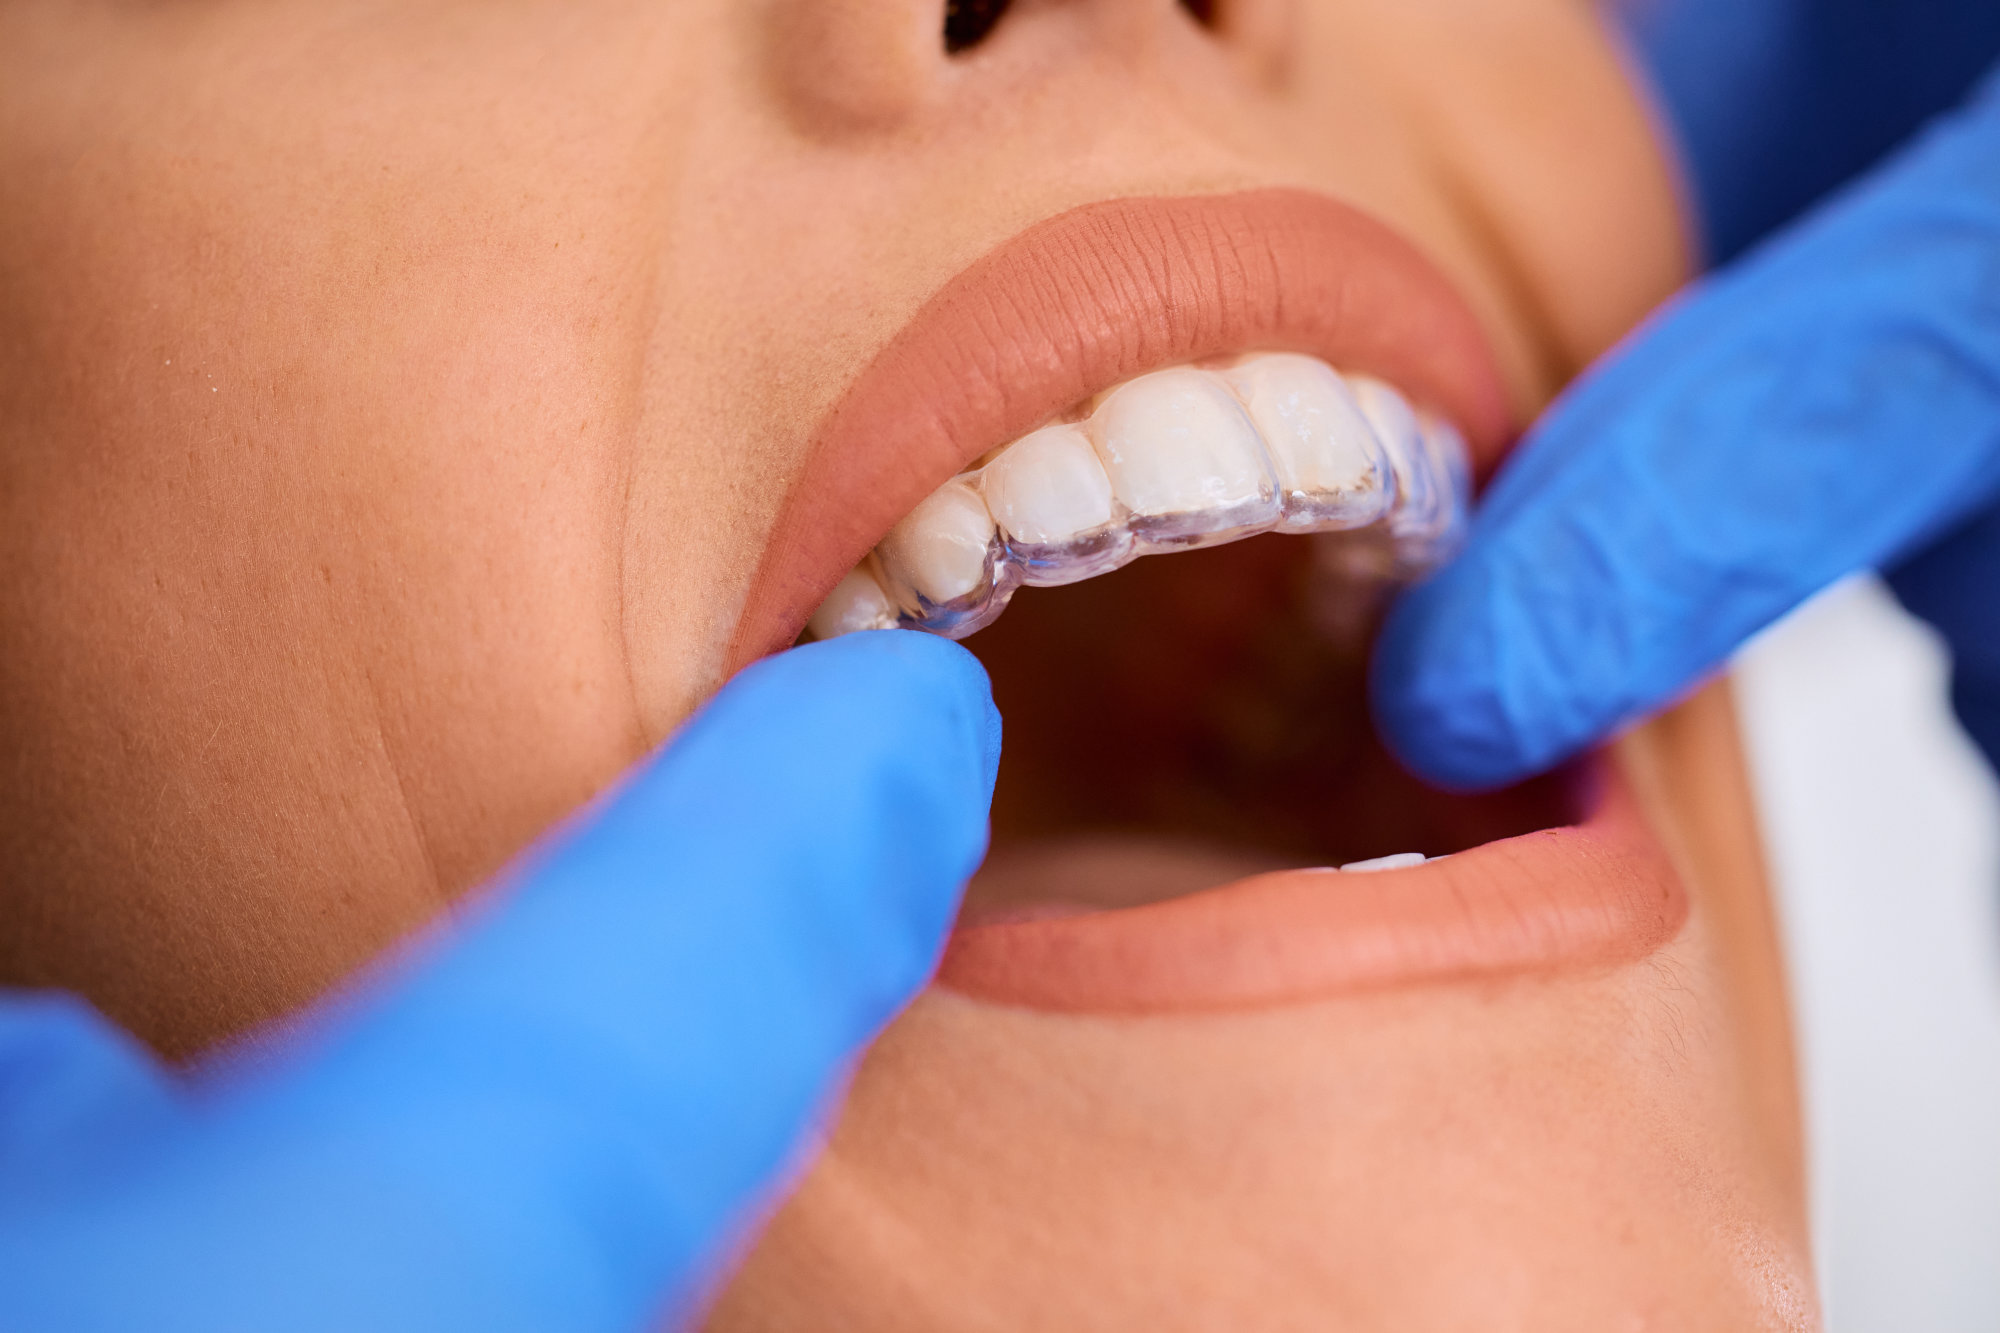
x=1568, y=177
x=1508, y=139
x=317, y=500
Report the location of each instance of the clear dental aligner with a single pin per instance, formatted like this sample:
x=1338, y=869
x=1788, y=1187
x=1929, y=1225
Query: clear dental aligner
x=1175, y=459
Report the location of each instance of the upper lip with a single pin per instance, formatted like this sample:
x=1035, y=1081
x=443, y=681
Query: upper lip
x=1084, y=300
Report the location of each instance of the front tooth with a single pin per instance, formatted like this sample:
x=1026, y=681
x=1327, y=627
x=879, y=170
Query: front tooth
x=1329, y=463
x=1419, y=508
x=1048, y=488
x=857, y=602
x=942, y=552
x=1183, y=458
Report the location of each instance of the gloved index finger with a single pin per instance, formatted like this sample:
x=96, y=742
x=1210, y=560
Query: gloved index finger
x=1828, y=405
x=577, y=1102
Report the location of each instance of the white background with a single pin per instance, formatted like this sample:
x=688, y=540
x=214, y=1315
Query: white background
x=1883, y=828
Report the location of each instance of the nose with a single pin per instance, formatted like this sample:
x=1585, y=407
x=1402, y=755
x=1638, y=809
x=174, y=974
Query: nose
x=846, y=67
x=967, y=23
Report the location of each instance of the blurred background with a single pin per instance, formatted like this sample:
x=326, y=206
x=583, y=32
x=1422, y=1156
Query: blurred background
x=1882, y=824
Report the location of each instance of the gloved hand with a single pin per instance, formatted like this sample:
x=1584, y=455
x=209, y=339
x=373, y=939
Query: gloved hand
x=566, y=1112
x=1830, y=404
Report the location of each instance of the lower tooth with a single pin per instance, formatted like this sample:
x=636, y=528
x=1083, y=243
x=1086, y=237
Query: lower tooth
x=1400, y=861
x=1184, y=459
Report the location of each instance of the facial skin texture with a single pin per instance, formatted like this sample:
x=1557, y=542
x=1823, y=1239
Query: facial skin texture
x=394, y=402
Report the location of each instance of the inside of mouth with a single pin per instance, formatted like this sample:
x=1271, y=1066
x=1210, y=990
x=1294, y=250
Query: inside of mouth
x=1188, y=721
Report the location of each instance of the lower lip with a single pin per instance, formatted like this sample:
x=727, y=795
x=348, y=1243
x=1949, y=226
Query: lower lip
x=1600, y=893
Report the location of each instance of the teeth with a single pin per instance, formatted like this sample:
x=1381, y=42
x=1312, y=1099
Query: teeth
x=857, y=602
x=1400, y=861
x=1175, y=459
x=1329, y=462
x=942, y=552
x=1053, y=502
x=1424, y=508
x=1450, y=463
x=1184, y=459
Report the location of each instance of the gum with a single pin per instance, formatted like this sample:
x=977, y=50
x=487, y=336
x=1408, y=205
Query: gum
x=1408, y=518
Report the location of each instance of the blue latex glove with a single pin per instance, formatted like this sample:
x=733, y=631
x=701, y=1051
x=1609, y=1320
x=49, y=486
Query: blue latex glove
x=1830, y=404
x=1775, y=102
x=566, y=1114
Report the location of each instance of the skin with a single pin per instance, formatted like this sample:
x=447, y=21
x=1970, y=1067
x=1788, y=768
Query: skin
x=395, y=399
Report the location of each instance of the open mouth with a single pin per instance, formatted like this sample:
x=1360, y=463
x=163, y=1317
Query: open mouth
x=1279, y=405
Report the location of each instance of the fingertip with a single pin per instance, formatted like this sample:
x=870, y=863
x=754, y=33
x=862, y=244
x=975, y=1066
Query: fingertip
x=1409, y=699
x=965, y=689
x=922, y=672
x=1433, y=696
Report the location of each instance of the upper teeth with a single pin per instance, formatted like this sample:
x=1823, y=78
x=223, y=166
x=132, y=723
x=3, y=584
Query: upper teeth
x=1329, y=460
x=1183, y=457
x=1177, y=458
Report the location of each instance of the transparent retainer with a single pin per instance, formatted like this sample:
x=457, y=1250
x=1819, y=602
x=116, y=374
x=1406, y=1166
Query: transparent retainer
x=1274, y=443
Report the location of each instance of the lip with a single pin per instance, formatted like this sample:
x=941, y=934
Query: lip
x=1088, y=298
x=1600, y=893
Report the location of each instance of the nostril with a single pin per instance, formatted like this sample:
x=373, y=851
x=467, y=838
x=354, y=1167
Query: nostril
x=1202, y=10
x=967, y=22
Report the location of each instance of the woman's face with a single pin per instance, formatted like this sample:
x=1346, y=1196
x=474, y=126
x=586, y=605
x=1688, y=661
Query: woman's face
x=412, y=411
